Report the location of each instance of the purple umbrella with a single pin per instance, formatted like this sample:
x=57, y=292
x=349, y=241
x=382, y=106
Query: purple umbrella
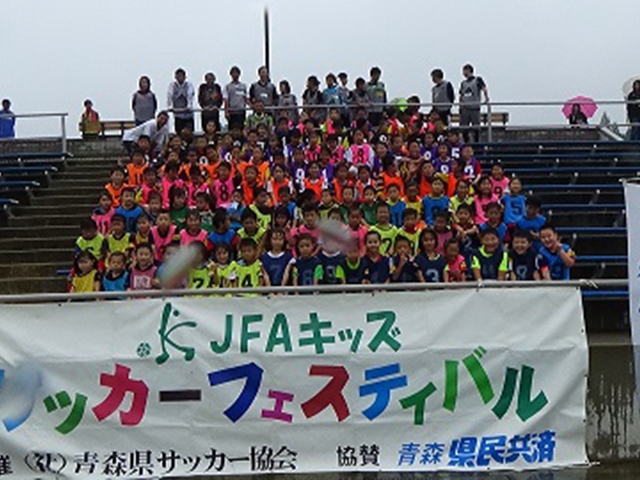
x=587, y=106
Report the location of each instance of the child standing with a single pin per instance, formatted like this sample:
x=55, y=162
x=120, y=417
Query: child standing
x=163, y=233
x=514, y=202
x=118, y=240
x=115, y=185
x=353, y=267
x=431, y=263
x=129, y=209
x=384, y=228
x=116, y=279
x=368, y=205
x=436, y=201
x=376, y=268
x=404, y=268
x=276, y=260
x=396, y=206
x=192, y=231
x=442, y=229
x=252, y=230
x=532, y=221
x=89, y=240
x=494, y=220
x=524, y=263
x=461, y=197
x=249, y=271
x=86, y=277
x=484, y=196
x=261, y=207
x=499, y=183
x=200, y=276
x=490, y=261
x=223, y=269
x=203, y=207
x=222, y=233
x=409, y=229
x=306, y=269
x=103, y=213
x=558, y=255
x=143, y=273
x=357, y=229
x=178, y=207
x=222, y=186
x=456, y=268
x=143, y=231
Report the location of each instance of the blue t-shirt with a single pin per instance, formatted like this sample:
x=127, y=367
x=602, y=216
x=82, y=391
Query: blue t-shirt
x=432, y=268
x=115, y=284
x=531, y=225
x=501, y=229
x=130, y=217
x=376, y=271
x=275, y=266
x=397, y=211
x=431, y=206
x=514, y=208
x=225, y=238
x=332, y=268
x=557, y=269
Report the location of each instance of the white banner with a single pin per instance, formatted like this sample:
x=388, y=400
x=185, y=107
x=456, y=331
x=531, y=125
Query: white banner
x=450, y=380
x=632, y=201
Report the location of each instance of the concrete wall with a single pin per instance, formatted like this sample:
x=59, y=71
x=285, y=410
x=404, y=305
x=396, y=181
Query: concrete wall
x=613, y=406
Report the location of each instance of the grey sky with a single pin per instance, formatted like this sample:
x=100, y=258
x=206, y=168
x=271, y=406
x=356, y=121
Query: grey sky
x=56, y=54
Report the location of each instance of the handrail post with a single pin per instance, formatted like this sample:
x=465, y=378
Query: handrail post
x=489, y=124
x=63, y=133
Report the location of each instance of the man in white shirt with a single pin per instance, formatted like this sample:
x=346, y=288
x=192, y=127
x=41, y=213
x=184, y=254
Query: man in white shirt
x=180, y=97
x=157, y=129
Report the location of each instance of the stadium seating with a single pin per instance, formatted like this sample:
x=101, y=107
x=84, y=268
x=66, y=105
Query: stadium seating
x=577, y=181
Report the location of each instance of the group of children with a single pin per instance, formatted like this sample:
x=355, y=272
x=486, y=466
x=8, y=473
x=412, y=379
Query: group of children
x=299, y=205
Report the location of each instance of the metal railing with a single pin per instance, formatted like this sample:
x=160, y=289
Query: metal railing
x=319, y=289
x=63, y=125
x=489, y=106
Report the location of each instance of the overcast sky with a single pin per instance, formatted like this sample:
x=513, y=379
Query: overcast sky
x=55, y=54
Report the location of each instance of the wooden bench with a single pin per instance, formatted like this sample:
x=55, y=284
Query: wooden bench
x=496, y=118
x=108, y=127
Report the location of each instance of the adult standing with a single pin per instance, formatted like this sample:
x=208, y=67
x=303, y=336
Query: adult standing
x=264, y=90
x=377, y=93
x=157, y=129
x=210, y=100
x=442, y=94
x=235, y=100
x=633, y=110
x=288, y=103
x=144, y=102
x=471, y=89
x=180, y=97
x=7, y=120
x=312, y=98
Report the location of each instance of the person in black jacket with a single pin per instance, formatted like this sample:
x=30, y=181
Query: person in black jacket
x=633, y=110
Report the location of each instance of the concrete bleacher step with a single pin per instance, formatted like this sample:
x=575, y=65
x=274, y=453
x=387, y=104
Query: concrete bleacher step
x=65, y=200
x=75, y=175
x=30, y=232
x=54, y=190
x=21, y=285
x=79, y=209
x=44, y=221
x=62, y=255
x=32, y=243
x=90, y=181
x=102, y=167
x=42, y=269
x=583, y=219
